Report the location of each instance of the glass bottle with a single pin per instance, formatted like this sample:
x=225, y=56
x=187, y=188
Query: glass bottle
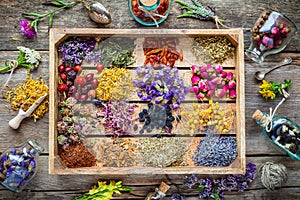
x=271, y=34
x=18, y=165
x=149, y=12
x=159, y=193
x=281, y=131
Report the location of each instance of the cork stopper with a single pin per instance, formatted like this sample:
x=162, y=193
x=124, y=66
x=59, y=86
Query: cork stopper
x=163, y=187
x=257, y=115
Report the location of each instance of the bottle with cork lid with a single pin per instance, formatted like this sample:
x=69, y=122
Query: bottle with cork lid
x=159, y=192
x=281, y=131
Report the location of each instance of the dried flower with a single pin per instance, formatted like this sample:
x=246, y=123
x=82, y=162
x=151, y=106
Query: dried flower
x=215, y=151
x=27, y=29
x=75, y=49
x=214, y=188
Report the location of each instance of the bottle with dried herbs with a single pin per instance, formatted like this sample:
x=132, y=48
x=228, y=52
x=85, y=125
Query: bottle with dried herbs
x=281, y=131
x=159, y=193
x=18, y=165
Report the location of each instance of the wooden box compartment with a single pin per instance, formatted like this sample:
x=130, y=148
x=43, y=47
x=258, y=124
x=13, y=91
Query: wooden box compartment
x=234, y=64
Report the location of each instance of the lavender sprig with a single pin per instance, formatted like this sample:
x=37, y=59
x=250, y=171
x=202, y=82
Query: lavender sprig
x=200, y=12
x=214, y=188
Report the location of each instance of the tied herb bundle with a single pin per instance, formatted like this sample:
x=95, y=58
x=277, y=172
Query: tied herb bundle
x=200, y=12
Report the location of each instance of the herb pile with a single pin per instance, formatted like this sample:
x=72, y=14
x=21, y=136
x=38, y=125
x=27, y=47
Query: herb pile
x=117, y=52
x=271, y=89
x=213, y=49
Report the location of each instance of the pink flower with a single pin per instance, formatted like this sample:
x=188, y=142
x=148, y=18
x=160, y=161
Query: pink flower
x=195, y=69
x=229, y=75
x=27, y=29
x=285, y=30
x=268, y=42
x=200, y=95
x=231, y=84
x=219, y=69
x=224, y=74
x=202, y=85
x=194, y=89
x=221, y=92
x=232, y=94
x=195, y=79
x=203, y=69
x=216, y=80
x=209, y=67
x=204, y=74
x=275, y=31
x=211, y=85
x=210, y=93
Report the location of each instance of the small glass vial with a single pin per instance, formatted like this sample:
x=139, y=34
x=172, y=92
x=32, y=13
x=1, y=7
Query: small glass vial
x=281, y=131
x=159, y=193
x=18, y=165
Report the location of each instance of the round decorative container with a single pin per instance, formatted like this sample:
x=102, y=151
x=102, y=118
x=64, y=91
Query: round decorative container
x=149, y=12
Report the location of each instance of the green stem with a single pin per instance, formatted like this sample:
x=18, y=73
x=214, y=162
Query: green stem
x=4, y=68
x=51, y=14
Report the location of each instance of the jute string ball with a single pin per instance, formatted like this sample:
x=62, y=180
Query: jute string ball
x=273, y=175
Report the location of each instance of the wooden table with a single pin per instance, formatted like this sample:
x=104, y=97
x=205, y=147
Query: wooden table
x=235, y=13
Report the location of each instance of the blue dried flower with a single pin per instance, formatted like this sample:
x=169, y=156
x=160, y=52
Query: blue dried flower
x=214, y=151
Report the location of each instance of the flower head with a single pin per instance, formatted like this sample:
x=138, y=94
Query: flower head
x=27, y=29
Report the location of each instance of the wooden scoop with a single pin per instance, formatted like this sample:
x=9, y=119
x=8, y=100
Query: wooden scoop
x=16, y=121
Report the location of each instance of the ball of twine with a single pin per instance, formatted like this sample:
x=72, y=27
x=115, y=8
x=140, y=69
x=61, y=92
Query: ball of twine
x=273, y=175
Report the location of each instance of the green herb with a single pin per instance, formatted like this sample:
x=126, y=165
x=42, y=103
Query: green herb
x=117, y=52
x=213, y=49
x=104, y=191
x=271, y=89
x=37, y=17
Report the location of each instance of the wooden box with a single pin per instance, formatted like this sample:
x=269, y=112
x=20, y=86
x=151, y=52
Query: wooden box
x=235, y=64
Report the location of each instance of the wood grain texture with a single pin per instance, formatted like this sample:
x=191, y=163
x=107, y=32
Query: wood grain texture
x=237, y=14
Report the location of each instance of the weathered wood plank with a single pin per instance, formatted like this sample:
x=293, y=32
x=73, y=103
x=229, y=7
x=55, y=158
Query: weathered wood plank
x=47, y=186
x=235, y=14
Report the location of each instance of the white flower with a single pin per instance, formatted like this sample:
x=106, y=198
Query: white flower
x=32, y=57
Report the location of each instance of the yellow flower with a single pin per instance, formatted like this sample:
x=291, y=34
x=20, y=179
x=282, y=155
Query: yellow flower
x=267, y=94
x=265, y=85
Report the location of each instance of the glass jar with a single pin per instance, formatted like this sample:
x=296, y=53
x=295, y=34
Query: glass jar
x=149, y=12
x=270, y=35
x=18, y=165
x=282, y=132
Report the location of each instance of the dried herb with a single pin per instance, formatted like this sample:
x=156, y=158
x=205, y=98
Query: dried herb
x=117, y=52
x=118, y=153
x=162, y=152
x=77, y=155
x=213, y=49
x=108, y=81
x=104, y=191
x=26, y=94
x=198, y=11
x=215, y=151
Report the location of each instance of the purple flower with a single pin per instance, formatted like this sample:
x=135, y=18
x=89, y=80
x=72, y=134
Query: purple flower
x=191, y=182
x=177, y=197
x=27, y=29
x=205, y=188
